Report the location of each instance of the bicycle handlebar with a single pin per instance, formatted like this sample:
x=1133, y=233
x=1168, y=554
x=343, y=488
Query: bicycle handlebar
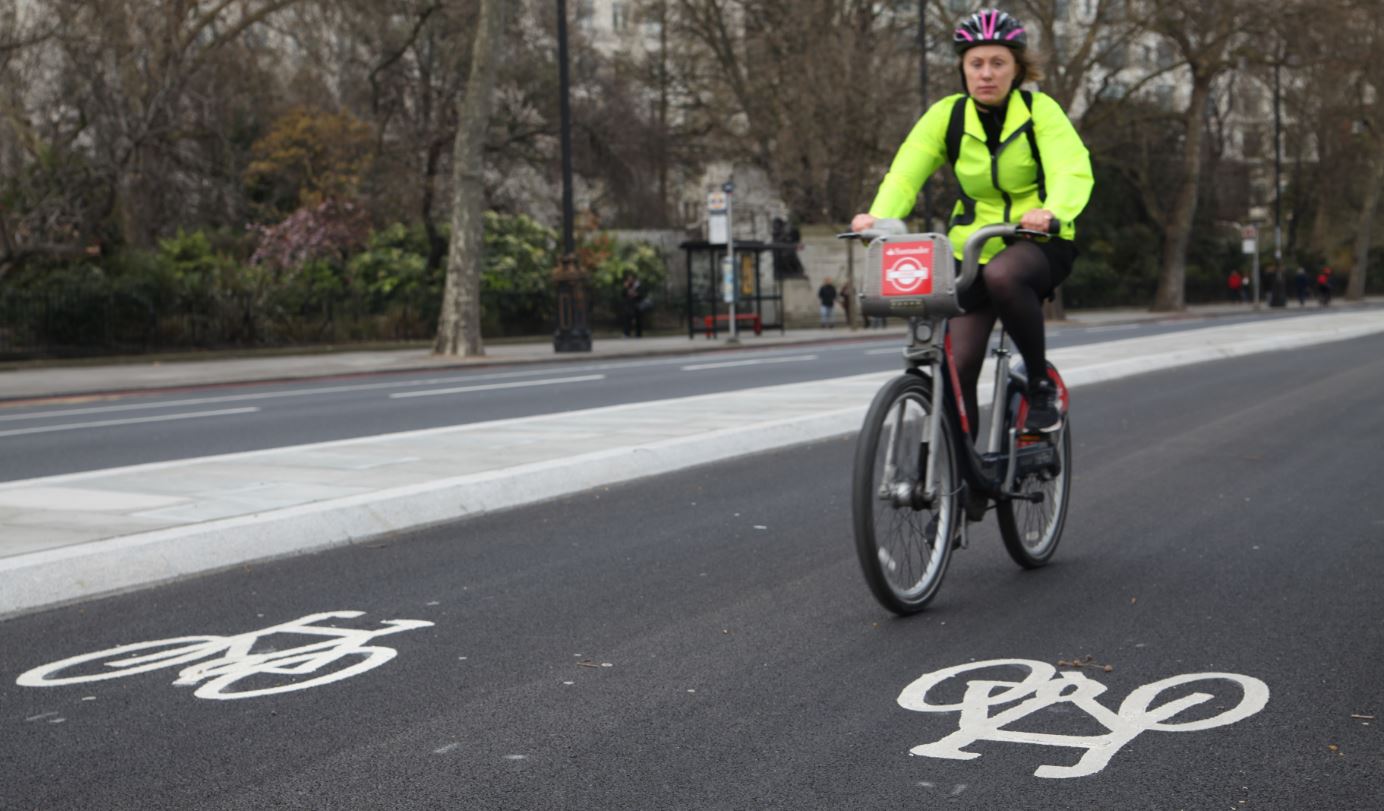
x=970, y=255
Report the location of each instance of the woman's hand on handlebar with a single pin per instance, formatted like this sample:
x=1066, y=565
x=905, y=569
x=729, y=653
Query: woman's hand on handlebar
x=862, y=222
x=1037, y=219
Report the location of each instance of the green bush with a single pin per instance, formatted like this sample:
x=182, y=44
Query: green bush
x=609, y=260
x=197, y=289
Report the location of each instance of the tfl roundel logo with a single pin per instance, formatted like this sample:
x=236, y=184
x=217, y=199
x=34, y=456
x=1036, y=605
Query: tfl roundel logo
x=906, y=269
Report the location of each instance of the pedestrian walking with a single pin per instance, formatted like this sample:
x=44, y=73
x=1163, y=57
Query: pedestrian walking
x=1278, y=286
x=1303, y=282
x=1324, y=286
x=787, y=242
x=1236, y=285
x=632, y=298
x=847, y=298
x=826, y=294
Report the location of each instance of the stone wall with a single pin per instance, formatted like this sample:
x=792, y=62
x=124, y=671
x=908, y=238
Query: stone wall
x=823, y=257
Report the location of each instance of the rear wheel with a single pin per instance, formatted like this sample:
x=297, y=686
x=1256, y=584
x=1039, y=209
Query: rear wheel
x=902, y=536
x=1031, y=529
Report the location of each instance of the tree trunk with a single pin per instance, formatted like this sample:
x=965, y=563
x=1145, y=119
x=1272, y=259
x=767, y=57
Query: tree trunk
x=1355, y=287
x=1172, y=278
x=459, y=327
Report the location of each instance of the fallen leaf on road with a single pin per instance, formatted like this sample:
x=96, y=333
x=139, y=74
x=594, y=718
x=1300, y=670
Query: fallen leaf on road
x=1085, y=661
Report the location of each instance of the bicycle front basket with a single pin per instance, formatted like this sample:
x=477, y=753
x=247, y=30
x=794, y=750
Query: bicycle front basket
x=910, y=275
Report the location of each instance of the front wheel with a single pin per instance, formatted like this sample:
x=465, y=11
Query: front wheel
x=1031, y=529
x=903, y=525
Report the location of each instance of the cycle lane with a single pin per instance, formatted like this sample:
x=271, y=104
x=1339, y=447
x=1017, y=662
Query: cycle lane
x=71, y=537
x=795, y=672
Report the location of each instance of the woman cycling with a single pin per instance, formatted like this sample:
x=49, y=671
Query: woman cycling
x=1018, y=157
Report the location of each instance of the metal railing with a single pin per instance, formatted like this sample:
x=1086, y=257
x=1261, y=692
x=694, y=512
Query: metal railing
x=90, y=322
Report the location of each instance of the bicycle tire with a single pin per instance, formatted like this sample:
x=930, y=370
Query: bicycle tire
x=902, y=561
x=186, y=649
x=1031, y=531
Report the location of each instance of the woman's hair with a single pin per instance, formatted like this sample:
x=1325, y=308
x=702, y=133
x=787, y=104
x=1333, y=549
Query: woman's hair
x=1030, y=65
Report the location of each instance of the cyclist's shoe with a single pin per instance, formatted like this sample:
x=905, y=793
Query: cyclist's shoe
x=1044, y=407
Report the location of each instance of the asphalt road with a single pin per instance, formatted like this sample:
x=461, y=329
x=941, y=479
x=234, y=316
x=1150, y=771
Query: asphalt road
x=125, y=429
x=1225, y=518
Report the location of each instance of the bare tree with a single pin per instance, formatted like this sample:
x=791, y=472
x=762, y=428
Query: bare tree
x=1365, y=35
x=395, y=64
x=1078, y=48
x=1205, y=36
x=132, y=83
x=459, y=327
x=815, y=92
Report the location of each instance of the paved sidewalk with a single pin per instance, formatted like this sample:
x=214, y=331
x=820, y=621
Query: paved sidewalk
x=29, y=381
x=71, y=537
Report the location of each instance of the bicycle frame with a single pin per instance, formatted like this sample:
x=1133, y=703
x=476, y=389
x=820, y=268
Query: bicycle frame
x=929, y=353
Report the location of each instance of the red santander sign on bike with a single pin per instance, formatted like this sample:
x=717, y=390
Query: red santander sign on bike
x=907, y=269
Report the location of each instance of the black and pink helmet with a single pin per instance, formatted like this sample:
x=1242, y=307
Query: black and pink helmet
x=989, y=27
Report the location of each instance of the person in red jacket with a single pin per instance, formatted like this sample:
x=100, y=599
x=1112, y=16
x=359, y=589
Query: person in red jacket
x=1236, y=284
x=1324, y=286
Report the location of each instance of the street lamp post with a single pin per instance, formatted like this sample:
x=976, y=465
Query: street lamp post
x=573, y=332
x=922, y=89
x=1277, y=165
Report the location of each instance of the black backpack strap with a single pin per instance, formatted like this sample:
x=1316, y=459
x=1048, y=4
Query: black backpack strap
x=956, y=127
x=1027, y=96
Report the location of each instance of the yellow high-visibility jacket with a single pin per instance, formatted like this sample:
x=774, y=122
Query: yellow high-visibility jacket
x=994, y=188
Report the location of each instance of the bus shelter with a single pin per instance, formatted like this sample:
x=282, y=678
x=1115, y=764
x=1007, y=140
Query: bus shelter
x=758, y=294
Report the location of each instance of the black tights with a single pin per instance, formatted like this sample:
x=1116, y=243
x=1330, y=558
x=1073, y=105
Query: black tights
x=1015, y=281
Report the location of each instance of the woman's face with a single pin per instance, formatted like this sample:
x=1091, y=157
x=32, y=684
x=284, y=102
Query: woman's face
x=990, y=72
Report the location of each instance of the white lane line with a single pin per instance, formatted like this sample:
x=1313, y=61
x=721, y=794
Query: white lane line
x=494, y=386
x=697, y=367
x=268, y=395
x=1112, y=328
x=893, y=350
x=47, y=429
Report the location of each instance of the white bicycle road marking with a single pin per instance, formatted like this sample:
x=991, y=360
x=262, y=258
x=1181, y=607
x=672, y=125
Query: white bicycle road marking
x=1044, y=687
x=235, y=658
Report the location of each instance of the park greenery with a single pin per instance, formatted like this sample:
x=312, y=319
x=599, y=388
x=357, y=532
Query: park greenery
x=331, y=284
x=276, y=172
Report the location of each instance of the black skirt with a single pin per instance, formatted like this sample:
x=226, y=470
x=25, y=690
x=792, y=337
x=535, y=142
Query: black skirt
x=1060, y=253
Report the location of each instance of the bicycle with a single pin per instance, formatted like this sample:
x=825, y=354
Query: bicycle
x=342, y=653
x=916, y=467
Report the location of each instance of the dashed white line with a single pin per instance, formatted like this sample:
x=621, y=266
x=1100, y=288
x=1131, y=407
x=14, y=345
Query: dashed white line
x=266, y=395
x=48, y=429
x=495, y=386
x=697, y=367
